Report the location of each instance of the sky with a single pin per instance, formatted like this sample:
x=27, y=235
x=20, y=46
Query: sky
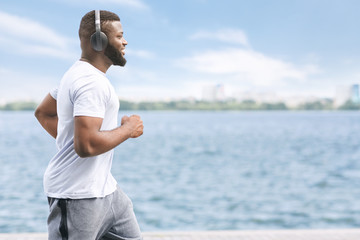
x=176, y=48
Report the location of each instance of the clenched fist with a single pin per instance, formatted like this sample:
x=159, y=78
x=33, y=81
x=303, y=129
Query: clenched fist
x=134, y=124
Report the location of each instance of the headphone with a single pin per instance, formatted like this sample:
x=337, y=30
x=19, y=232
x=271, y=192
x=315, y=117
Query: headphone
x=98, y=39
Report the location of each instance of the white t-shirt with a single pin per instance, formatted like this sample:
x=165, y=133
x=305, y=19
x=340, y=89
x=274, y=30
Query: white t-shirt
x=83, y=91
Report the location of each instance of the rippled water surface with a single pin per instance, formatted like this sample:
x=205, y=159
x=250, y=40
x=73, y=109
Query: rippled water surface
x=206, y=170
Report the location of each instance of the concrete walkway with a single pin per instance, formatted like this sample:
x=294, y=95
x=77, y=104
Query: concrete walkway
x=331, y=234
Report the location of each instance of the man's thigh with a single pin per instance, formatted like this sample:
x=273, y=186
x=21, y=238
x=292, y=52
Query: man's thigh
x=79, y=219
x=112, y=217
x=125, y=225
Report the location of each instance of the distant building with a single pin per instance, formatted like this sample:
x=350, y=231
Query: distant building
x=259, y=97
x=355, y=96
x=213, y=93
x=346, y=93
x=295, y=101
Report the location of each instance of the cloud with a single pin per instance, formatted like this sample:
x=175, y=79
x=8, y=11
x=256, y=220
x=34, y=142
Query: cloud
x=13, y=86
x=26, y=36
x=243, y=68
x=134, y=4
x=140, y=53
x=228, y=35
x=131, y=3
x=245, y=65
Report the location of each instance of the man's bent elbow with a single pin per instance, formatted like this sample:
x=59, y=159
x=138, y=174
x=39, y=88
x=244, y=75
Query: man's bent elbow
x=83, y=150
x=41, y=114
x=37, y=113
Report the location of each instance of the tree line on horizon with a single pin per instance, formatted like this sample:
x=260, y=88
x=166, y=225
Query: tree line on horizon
x=326, y=104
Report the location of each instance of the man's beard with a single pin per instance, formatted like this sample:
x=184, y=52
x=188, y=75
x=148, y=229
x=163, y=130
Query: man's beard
x=115, y=56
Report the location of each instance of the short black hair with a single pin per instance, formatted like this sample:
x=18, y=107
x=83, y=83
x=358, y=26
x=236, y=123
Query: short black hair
x=87, y=24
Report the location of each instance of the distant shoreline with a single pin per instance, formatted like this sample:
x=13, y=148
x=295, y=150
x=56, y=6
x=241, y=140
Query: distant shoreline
x=185, y=105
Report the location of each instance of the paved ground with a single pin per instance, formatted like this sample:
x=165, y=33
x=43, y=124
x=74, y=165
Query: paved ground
x=333, y=234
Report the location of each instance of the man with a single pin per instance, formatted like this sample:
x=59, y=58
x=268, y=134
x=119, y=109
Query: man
x=85, y=201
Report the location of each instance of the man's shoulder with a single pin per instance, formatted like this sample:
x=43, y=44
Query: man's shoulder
x=82, y=78
x=82, y=73
x=83, y=69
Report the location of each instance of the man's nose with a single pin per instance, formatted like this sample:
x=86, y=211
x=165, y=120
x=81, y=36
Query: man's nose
x=124, y=42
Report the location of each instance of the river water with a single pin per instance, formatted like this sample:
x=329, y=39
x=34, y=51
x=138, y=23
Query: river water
x=206, y=170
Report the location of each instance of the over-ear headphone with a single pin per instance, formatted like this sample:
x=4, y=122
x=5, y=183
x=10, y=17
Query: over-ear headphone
x=98, y=39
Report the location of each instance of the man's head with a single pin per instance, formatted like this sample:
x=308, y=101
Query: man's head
x=111, y=26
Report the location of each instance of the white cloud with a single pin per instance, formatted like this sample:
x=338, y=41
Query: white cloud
x=228, y=35
x=131, y=3
x=242, y=68
x=135, y=4
x=27, y=36
x=140, y=53
x=13, y=86
x=147, y=93
x=246, y=65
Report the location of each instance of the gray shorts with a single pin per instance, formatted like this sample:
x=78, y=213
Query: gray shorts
x=111, y=217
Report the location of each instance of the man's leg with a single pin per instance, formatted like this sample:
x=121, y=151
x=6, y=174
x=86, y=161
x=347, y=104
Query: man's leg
x=125, y=225
x=79, y=219
x=54, y=220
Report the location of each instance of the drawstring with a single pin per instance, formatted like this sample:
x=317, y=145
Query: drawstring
x=63, y=223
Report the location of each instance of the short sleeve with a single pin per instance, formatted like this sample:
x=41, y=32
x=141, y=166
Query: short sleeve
x=53, y=92
x=90, y=99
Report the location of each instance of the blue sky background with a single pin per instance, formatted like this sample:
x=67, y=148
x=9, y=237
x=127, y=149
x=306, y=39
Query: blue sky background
x=290, y=47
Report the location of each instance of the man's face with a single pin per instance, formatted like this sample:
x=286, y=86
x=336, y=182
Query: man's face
x=115, y=49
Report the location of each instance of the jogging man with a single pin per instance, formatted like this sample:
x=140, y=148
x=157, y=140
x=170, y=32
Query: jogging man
x=85, y=201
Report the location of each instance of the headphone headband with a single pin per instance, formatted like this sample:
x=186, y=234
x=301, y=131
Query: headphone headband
x=98, y=39
x=97, y=21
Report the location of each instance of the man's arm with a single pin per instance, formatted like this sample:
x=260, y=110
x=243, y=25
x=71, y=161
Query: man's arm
x=46, y=114
x=89, y=140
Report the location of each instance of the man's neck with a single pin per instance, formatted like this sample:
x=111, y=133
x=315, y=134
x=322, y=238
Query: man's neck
x=97, y=63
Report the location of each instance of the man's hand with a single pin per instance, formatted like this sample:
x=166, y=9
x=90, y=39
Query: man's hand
x=133, y=124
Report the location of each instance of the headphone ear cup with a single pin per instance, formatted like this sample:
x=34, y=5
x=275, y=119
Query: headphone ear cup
x=98, y=45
